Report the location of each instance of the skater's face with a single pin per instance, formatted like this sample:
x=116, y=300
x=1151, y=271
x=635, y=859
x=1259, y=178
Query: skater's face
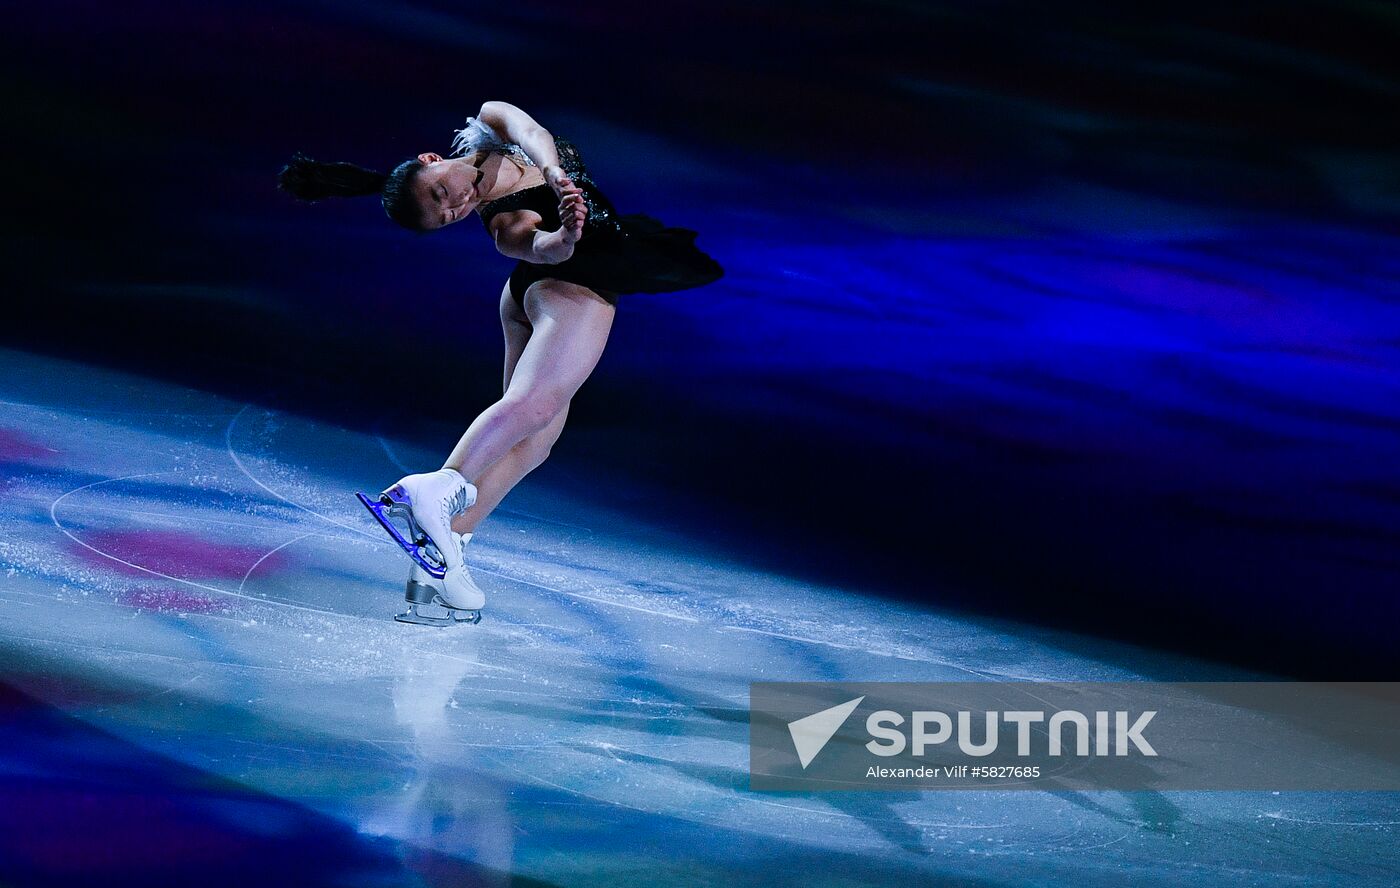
x=446, y=190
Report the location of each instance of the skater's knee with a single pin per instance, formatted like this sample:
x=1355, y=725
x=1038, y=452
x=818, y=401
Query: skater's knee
x=537, y=406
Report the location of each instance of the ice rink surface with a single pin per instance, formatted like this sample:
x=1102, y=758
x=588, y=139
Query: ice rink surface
x=203, y=670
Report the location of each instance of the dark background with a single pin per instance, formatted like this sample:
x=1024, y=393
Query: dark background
x=1077, y=313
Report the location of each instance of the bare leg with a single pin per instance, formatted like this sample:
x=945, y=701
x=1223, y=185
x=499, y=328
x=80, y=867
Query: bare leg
x=569, y=327
x=507, y=472
x=524, y=457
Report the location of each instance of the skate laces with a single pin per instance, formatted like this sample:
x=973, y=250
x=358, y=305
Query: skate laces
x=457, y=503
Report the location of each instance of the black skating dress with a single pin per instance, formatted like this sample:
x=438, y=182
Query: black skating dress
x=618, y=254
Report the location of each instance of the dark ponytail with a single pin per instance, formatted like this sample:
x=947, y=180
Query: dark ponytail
x=311, y=180
x=307, y=179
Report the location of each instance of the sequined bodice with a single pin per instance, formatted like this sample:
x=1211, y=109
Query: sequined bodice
x=477, y=136
x=542, y=200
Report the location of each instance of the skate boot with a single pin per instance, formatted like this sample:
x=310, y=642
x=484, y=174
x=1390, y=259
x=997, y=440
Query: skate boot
x=425, y=504
x=460, y=605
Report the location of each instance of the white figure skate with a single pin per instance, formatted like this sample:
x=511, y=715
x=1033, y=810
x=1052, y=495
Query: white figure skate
x=426, y=504
x=462, y=604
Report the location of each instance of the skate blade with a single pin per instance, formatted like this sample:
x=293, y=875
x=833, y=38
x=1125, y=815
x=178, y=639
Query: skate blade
x=454, y=617
x=387, y=507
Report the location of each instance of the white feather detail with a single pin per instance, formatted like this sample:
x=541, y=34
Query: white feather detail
x=475, y=136
x=478, y=135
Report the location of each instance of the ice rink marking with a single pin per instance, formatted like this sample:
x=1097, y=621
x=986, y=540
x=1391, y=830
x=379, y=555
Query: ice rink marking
x=53, y=516
x=228, y=445
x=266, y=555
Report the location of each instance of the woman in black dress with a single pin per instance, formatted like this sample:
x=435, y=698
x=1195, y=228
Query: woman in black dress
x=576, y=255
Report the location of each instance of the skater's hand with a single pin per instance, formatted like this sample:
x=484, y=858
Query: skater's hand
x=559, y=180
x=572, y=210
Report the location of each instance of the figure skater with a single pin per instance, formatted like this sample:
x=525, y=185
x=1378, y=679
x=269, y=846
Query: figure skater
x=576, y=255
